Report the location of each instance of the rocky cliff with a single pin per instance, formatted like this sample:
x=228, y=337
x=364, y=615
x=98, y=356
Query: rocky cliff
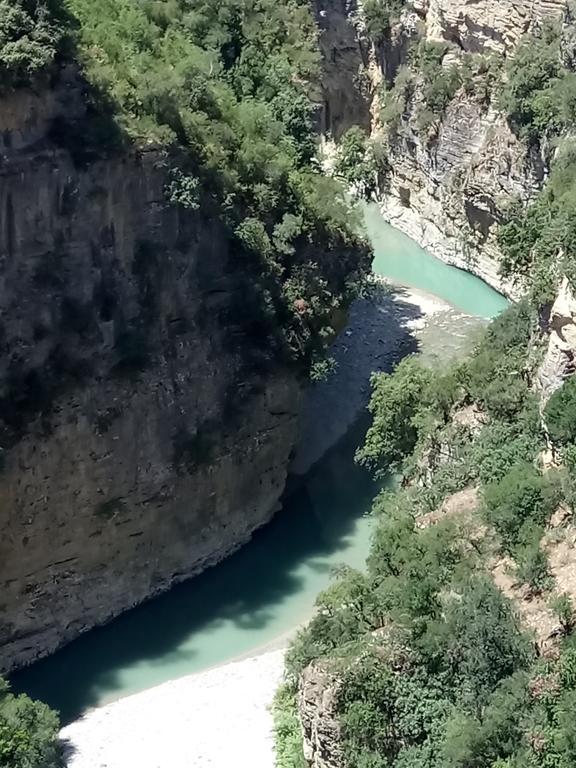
x=143, y=434
x=318, y=691
x=450, y=174
x=560, y=358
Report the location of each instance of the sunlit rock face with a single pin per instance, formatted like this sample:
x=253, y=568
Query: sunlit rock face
x=448, y=181
x=560, y=359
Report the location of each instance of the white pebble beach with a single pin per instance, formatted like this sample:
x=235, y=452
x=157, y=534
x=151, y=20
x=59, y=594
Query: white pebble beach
x=215, y=719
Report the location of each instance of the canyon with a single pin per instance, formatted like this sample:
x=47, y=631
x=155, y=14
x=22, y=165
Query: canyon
x=144, y=435
x=448, y=183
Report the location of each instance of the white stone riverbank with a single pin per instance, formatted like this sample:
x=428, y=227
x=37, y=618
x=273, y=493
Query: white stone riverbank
x=215, y=719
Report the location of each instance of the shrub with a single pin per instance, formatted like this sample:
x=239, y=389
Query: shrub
x=357, y=163
x=538, y=242
x=439, y=83
x=28, y=733
x=30, y=36
x=530, y=94
x=496, y=372
x=563, y=607
x=521, y=500
x=287, y=730
x=379, y=15
x=484, y=640
x=560, y=413
x=532, y=565
x=396, y=400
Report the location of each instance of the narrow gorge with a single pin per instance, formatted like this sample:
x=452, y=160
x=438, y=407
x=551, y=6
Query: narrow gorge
x=248, y=251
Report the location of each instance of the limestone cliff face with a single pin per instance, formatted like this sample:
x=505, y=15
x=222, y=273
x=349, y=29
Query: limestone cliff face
x=448, y=182
x=560, y=359
x=448, y=195
x=481, y=26
x=142, y=436
x=345, y=94
x=318, y=690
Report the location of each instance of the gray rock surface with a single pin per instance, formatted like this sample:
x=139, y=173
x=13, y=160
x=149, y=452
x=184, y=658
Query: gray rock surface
x=143, y=438
x=317, y=706
x=560, y=358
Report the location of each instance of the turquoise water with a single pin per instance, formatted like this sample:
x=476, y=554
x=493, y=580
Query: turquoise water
x=250, y=599
x=398, y=257
x=268, y=587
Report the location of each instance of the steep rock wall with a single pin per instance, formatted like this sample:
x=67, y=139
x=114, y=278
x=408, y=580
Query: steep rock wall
x=346, y=90
x=448, y=195
x=318, y=690
x=560, y=358
x=144, y=436
x=447, y=182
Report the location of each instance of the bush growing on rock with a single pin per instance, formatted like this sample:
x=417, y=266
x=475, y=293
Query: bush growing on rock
x=521, y=501
x=396, y=400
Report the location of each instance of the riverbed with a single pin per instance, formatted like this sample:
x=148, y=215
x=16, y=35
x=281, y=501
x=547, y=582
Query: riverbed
x=256, y=598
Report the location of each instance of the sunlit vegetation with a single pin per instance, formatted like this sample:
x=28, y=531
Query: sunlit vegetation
x=436, y=668
x=223, y=90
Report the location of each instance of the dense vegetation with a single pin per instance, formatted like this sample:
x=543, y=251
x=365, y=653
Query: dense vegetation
x=28, y=733
x=538, y=240
x=30, y=37
x=222, y=88
x=434, y=666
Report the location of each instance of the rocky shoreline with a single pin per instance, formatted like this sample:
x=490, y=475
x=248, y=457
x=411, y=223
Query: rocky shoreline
x=394, y=321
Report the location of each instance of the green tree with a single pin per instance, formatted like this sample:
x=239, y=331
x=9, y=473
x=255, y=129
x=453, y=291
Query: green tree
x=529, y=96
x=522, y=500
x=28, y=733
x=397, y=399
x=563, y=607
x=356, y=162
x=30, y=36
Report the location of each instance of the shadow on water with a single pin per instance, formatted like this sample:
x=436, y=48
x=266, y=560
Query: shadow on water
x=254, y=591
x=246, y=588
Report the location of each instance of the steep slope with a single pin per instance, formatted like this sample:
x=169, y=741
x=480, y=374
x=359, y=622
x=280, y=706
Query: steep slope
x=425, y=74
x=169, y=272
x=140, y=441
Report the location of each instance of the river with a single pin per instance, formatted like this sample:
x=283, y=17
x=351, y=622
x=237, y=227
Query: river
x=261, y=593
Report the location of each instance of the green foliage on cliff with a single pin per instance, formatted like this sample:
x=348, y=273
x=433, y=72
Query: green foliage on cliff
x=539, y=94
x=379, y=15
x=28, y=733
x=287, y=731
x=30, y=36
x=228, y=84
x=498, y=371
x=397, y=402
x=360, y=161
x=520, y=503
x=538, y=241
x=560, y=414
x=439, y=82
x=434, y=665
x=412, y=406
x=222, y=91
